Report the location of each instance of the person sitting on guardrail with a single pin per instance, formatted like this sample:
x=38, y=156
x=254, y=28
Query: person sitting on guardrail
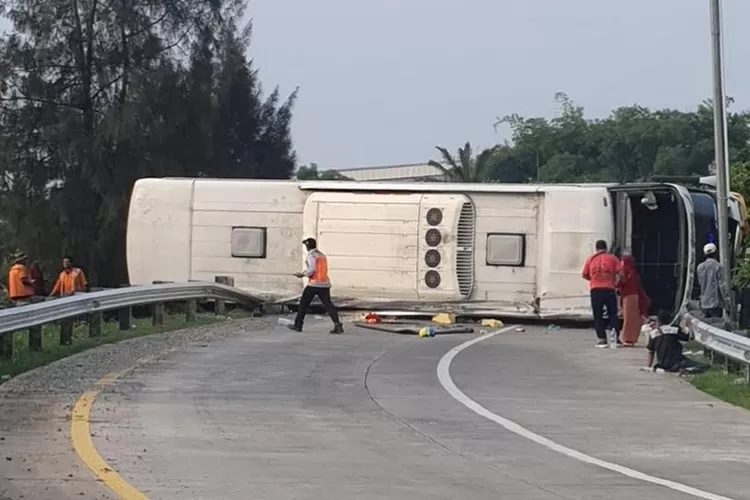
x=71, y=280
x=20, y=285
x=714, y=284
x=665, y=347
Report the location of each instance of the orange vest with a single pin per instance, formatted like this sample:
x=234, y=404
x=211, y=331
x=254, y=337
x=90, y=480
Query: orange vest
x=16, y=288
x=320, y=274
x=70, y=282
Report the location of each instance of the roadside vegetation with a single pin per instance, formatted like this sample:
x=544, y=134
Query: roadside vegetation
x=730, y=386
x=24, y=360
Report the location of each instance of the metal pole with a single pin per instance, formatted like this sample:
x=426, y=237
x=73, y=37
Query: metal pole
x=720, y=138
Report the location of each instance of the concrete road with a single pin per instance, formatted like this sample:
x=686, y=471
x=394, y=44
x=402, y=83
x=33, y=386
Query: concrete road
x=279, y=415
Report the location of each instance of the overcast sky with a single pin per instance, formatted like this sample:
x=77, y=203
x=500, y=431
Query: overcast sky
x=384, y=81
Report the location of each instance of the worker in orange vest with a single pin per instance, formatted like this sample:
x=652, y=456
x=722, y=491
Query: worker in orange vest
x=71, y=280
x=318, y=285
x=20, y=285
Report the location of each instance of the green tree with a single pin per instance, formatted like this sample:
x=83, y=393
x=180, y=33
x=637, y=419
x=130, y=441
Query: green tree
x=96, y=95
x=465, y=167
x=740, y=183
x=252, y=137
x=311, y=173
x=632, y=143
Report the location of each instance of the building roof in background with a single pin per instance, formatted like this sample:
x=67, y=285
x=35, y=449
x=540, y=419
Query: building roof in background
x=411, y=172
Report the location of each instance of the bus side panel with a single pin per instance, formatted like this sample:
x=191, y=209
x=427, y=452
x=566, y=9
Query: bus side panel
x=572, y=222
x=270, y=209
x=158, y=233
x=511, y=288
x=371, y=241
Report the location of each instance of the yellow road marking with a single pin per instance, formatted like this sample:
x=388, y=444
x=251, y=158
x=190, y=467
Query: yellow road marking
x=80, y=434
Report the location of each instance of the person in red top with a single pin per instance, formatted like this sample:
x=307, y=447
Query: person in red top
x=635, y=302
x=602, y=271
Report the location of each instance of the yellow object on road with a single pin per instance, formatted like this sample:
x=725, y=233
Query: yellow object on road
x=492, y=323
x=445, y=319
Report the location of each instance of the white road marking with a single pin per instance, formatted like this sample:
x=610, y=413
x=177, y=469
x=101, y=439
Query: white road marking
x=444, y=375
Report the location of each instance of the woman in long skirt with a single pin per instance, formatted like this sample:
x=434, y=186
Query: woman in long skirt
x=635, y=302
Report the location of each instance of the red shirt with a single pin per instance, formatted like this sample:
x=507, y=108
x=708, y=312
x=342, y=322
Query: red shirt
x=601, y=270
x=630, y=284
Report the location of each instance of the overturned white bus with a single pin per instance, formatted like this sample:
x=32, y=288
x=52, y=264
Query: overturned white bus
x=474, y=249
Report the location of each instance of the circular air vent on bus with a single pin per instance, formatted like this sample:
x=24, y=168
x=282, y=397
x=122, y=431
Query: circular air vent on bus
x=434, y=216
x=433, y=237
x=432, y=279
x=432, y=258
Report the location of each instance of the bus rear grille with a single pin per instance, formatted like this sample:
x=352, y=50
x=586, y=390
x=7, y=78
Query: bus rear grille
x=465, y=250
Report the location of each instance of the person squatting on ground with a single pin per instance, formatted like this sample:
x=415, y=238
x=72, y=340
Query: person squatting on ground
x=601, y=270
x=712, y=278
x=318, y=285
x=665, y=348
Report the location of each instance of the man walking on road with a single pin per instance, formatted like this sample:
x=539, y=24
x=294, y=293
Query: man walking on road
x=601, y=271
x=318, y=285
x=712, y=278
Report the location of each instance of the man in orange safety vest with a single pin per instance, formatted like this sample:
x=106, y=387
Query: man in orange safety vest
x=71, y=280
x=318, y=285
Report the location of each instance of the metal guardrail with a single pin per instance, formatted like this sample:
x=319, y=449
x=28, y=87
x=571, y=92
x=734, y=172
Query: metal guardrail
x=730, y=346
x=28, y=316
x=64, y=310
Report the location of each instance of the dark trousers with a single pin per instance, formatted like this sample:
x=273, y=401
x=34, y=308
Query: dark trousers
x=604, y=299
x=714, y=312
x=308, y=294
x=686, y=365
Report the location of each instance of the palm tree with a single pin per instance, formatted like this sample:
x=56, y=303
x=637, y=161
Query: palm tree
x=466, y=168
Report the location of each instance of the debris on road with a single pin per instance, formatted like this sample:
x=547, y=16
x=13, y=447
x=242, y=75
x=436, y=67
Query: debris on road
x=492, y=323
x=413, y=328
x=444, y=319
x=427, y=331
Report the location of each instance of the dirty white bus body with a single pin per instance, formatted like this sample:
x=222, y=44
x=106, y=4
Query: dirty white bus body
x=474, y=249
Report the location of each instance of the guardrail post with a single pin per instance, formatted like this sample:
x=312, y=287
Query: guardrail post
x=6, y=345
x=220, y=306
x=95, y=324
x=35, y=338
x=125, y=315
x=191, y=310
x=66, y=331
x=158, y=309
x=158, y=314
x=96, y=319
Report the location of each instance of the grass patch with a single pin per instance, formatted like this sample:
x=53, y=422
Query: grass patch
x=729, y=387
x=24, y=360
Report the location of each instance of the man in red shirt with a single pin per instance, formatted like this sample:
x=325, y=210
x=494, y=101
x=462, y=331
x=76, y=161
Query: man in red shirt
x=602, y=272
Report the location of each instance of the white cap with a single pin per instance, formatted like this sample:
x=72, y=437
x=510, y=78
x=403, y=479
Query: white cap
x=709, y=248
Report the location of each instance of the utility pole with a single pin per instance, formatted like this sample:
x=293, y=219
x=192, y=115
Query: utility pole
x=720, y=139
